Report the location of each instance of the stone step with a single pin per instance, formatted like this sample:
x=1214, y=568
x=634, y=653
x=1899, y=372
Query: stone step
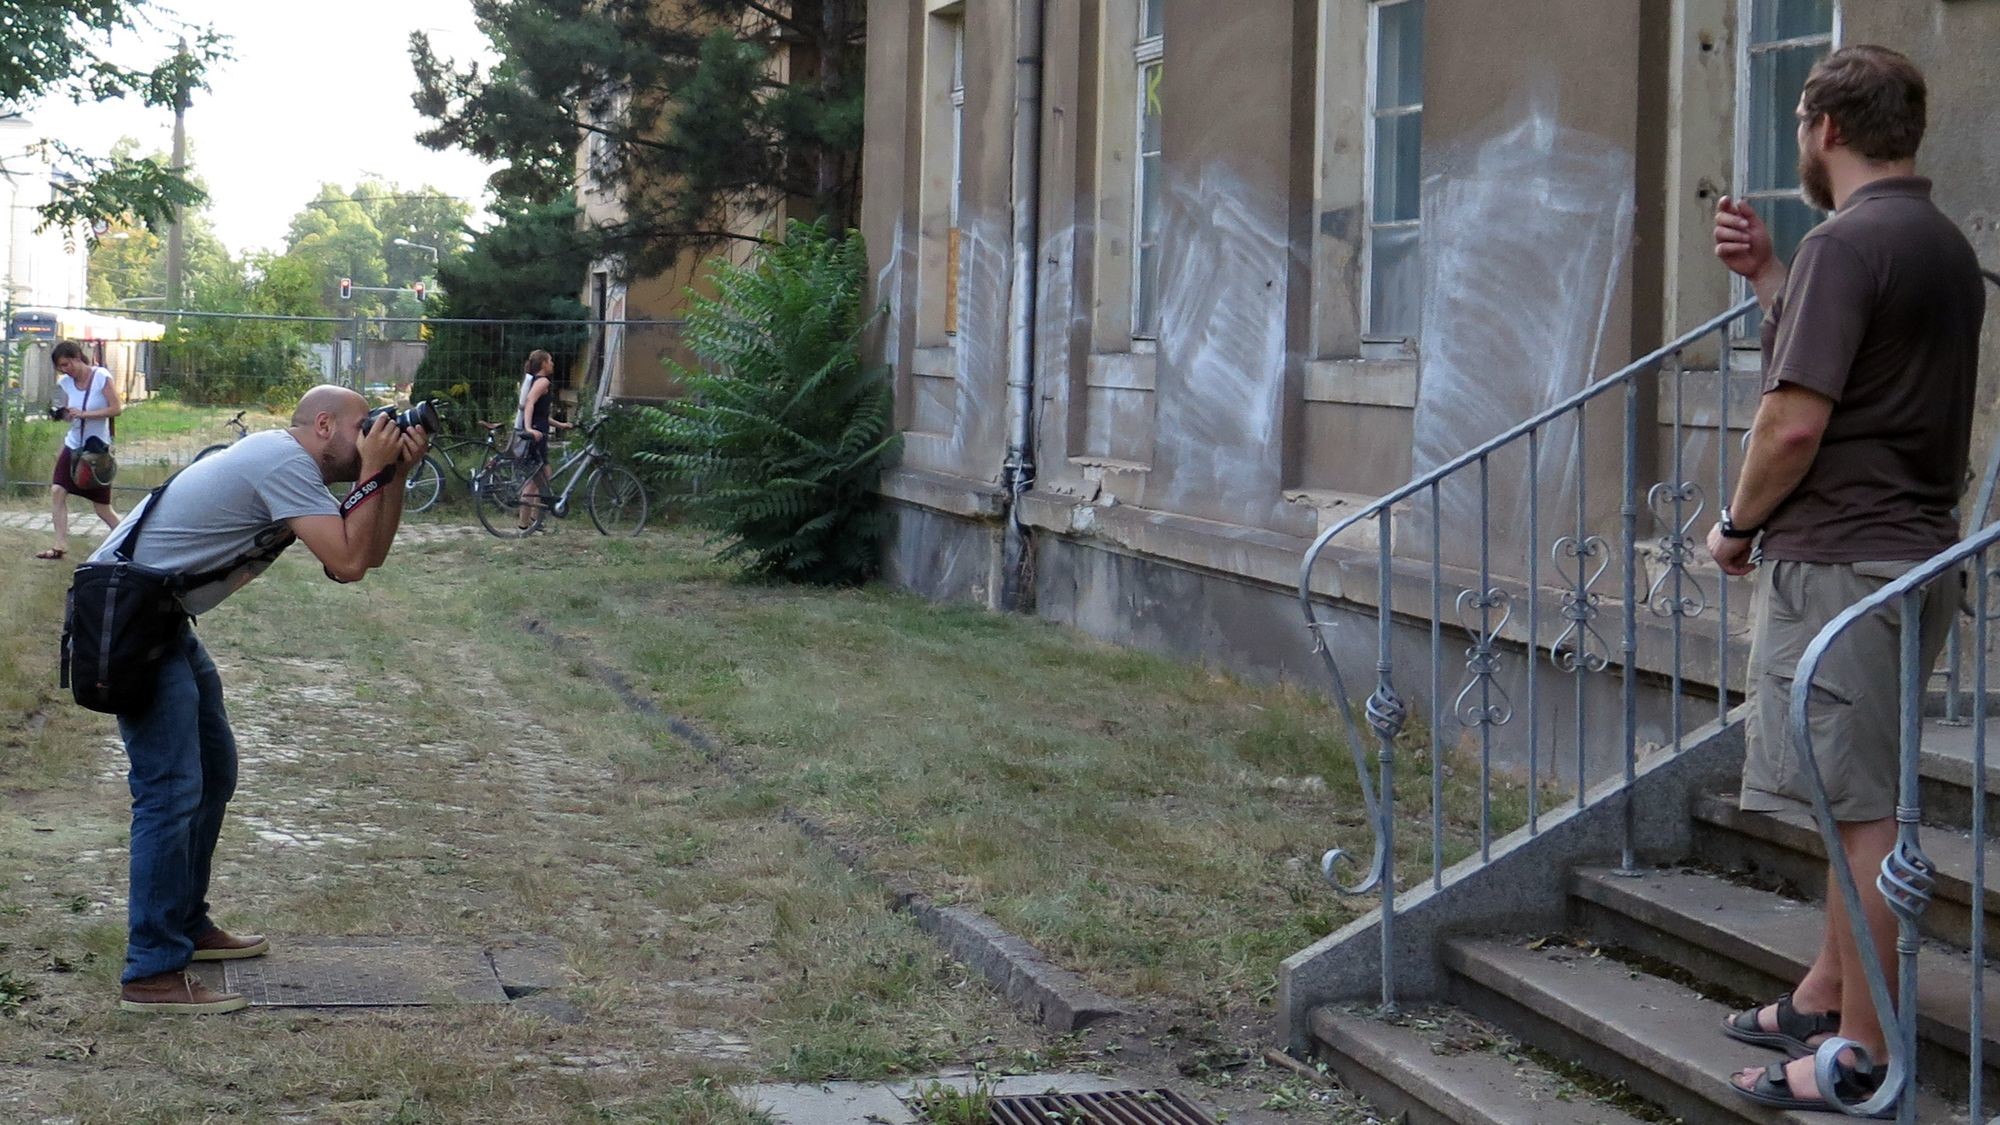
x=1756, y=945
x=1948, y=777
x=1660, y=1039
x=1431, y=1069
x=1788, y=846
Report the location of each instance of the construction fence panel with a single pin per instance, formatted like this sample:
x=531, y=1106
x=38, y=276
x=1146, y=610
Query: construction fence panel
x=190, y=379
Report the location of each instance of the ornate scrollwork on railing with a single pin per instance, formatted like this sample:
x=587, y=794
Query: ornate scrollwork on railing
x=1676, y=592
x=1908, y=876
x=1476, y=705
x=1387, y=713
x=1581, y=648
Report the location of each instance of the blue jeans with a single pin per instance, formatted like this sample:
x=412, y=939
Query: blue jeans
x=183, y=758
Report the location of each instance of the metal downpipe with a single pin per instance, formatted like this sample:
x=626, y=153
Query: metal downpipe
x=1016, y=584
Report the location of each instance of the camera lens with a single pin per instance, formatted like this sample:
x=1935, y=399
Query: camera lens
x=422, y=414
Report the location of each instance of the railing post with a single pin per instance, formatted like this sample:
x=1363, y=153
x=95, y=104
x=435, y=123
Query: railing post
x=1534, y=630
x=1722, y=374
x=1629, y=686
x=1976, y=959
x=1906, y=866
x=1386, y=714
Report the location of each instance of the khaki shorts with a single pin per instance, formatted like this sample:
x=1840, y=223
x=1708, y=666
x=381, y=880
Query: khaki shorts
x=1855, y=706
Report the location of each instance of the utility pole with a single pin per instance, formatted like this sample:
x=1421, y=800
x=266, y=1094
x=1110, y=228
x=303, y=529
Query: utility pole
x=174, y=247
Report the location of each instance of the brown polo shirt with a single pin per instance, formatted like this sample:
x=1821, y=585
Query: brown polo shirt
x=1881, y=314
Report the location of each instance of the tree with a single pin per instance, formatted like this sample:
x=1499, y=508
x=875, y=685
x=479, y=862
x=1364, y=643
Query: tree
x=336, y=237
x=522, y=269
x=675, y=105
x=129, y=260
x=50, y=49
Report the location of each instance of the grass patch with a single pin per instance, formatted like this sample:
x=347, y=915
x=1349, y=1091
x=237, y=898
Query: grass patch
x=155, y=437
x=414, y=763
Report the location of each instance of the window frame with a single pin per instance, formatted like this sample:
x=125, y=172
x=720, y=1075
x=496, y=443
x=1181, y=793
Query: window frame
x=1746, y=51
x=954, y=241
x=1147, y=52
x=1374, y=341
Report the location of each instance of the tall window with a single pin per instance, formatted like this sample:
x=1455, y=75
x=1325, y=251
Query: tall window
x=1785, y=39
x=1146, y=215
x=1395, y=144
x=951, y=249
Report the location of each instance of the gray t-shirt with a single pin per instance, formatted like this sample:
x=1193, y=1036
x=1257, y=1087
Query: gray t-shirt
x=228, y=510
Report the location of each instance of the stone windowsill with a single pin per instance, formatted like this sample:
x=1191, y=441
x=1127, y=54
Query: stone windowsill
x=1363, y=382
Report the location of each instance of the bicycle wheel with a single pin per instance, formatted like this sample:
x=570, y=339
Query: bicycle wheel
x=423, y=486
x=617, y=501
x=211, y=449
x=498, y=503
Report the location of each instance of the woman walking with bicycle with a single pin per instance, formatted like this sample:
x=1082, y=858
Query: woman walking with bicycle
x=532, y=423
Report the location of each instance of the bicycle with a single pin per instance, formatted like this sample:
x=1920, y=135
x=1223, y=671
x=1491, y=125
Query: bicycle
x=242, y=431
x=427, y=482
x=615, y=497
x=420, y=489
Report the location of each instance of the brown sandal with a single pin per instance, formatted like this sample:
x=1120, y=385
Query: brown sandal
x=52, y=553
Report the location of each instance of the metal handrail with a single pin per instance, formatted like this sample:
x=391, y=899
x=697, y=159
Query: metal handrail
x=1616, y=379
x=1907, y=875
x=1476, y=705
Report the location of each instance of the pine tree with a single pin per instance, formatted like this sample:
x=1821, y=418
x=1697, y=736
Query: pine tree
x=674, y=106
x=525, y=268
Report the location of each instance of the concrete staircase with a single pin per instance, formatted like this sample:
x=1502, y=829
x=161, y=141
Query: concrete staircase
x=1650, y=965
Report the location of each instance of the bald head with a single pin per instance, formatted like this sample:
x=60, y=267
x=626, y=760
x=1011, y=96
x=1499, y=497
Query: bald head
x=327, y=425
x=327, y=399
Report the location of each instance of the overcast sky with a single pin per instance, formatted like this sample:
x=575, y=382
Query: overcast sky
x=316, y=93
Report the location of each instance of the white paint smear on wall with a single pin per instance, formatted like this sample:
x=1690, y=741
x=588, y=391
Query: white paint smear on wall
x=1524, y=236
x=1222, y=346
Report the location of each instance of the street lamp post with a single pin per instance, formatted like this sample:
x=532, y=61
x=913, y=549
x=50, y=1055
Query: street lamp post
x=416, y=245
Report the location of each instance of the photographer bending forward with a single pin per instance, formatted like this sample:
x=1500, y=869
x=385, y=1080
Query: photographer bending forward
x=227, y=518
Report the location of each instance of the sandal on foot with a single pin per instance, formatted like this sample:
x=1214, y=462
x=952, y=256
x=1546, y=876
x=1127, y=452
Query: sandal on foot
x=51, y=553
x=1849, y=1085
x=1795, y=1028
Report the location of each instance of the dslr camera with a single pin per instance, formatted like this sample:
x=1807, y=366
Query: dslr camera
x=422, y=414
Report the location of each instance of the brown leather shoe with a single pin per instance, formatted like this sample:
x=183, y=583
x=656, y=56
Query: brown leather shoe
x=180, y=992
x=220, y=945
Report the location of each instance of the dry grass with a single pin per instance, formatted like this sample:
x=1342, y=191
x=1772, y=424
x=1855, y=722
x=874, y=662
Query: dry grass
x=414, y=763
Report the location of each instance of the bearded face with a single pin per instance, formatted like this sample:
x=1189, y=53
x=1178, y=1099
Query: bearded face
x=1815, y=181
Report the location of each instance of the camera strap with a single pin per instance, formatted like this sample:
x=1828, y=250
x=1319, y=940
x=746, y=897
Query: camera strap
x=367, y=490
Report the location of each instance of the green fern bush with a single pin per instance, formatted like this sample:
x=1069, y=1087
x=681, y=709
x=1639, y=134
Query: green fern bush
x=777, y=445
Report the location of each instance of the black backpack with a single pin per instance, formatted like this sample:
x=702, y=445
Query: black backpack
x=122, y=620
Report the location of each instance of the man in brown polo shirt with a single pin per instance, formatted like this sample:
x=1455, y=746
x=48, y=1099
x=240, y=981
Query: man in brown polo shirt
x=1857, y=459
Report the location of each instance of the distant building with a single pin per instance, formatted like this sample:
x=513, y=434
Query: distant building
x=43, y=268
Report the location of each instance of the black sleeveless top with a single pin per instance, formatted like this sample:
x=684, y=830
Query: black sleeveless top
x=540, y=420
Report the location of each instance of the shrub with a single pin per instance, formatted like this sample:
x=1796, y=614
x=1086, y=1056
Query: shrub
x=782, y=435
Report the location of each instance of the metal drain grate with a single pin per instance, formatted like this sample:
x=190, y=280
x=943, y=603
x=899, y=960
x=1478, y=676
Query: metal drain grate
x=366, y=972
x=1114, y=1107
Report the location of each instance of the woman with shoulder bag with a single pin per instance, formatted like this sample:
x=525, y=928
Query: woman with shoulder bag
x=89, y=401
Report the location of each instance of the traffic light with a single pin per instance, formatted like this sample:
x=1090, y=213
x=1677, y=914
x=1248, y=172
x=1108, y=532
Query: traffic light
x=346, y=288
x=419, y=289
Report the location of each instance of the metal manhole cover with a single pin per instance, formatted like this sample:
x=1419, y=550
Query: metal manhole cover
x=365, y=972
x=1114, y=1107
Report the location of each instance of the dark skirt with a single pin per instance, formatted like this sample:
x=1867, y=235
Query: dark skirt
x=65, y=479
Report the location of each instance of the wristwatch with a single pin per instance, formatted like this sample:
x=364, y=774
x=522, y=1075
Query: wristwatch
x=1731, y=531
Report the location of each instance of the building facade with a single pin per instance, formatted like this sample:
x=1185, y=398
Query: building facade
x=1287, y=253
x=45, y=268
